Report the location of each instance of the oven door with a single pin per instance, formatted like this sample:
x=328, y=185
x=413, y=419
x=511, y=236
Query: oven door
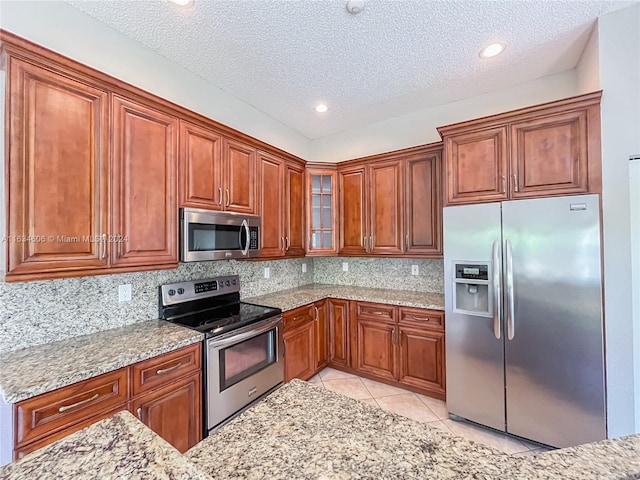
x=207, y=235
x=242, y=366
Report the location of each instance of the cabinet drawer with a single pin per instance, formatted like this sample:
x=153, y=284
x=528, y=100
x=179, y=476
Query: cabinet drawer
x=424, y=318
x=299, y=316
x=48, y=413
x=165, y=368
x=375, y=311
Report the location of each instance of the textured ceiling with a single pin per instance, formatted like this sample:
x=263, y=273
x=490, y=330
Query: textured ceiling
x=396, y=57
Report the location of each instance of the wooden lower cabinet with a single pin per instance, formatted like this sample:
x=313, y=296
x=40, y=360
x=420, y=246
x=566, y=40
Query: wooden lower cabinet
x=169, y=411
x=169, y=402
x=421, y=358
x=338, y=315
x=299, y=359
x=321, y=336
x=374, y=347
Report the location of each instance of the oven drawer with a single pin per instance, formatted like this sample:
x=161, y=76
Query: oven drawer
x=50, y=412
x=298, y=316
x=162, y=369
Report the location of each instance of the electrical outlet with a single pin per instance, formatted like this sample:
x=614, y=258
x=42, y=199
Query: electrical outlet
x=267, y=272
x=345, y=266
x=124, y=293
x=414, y=270
x=304, y=268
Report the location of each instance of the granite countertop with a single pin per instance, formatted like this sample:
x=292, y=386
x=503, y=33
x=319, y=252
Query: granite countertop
x=119, y=447
x=42, y=368
x=296, y=297
x=302, y=432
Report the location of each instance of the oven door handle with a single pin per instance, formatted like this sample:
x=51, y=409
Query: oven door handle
x=255, y=330
x=244, y=249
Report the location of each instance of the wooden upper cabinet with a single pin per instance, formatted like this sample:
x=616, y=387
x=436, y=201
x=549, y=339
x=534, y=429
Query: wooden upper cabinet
x=294, y=224
x=272, y=209
x=57, y=169
x=423, y=209
x=200, y=167
x=385, y=203
x=145, y=213
x=239, y=177
x=353, y=211
x=540, y=151
x=549, y=155
x=321, y=211
x=476, y=164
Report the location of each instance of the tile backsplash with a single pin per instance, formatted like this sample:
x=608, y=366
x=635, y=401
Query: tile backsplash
x=39, y=312
x=33, y=313
x=392, y=273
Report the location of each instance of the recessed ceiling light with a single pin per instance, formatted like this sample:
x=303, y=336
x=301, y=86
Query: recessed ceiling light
x=492, y=50
x=183, y=3
x=321, y=108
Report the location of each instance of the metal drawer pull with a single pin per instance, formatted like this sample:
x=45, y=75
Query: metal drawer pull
x=139, y=413
x=375, y=312
x=220, y=196
x=162, y=371
x=228, y=198
x=422, y=319
x=64, y=408
x=299, y=317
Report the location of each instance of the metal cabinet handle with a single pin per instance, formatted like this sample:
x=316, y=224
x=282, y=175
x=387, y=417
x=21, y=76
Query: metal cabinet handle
x=511, y=321
x=139, y=413
x=103, y=246
x=364, y=243
x=371, y=243
x=497, y=291
x=282, y=243
x=419, y=319
x=162, y=371
x=119, y=253
x=220, y=196
x=515, y=182
x=504, y=183
x=316, y=312
x=288, y=243
x=228, y=198
x=64, y=408
x=406, y=241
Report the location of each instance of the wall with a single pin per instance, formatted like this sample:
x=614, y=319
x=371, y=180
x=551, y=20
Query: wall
x=393, y=273
x=588, y=68
x=66, y=30
x=419, y=127
x=619, y=57
x=39, y=312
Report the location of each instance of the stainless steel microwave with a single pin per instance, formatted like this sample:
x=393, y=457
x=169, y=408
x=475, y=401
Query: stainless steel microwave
x=209, y=235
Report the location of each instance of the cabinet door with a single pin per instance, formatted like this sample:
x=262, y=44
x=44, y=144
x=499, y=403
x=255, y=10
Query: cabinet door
x=57, y=172
x=385, y=203
x=374, y=350
x=321, y=212
x=200, y=167
x=549, y=155
x=476, y=166
x=321, y=350
x=145, y=209
x=299, y=361
x=240, y=177
x=423, y=212
x=295, y=210
x=422, y=358
x=272, y=241
x=338, y=332
x=353, y=211
x=173, y=412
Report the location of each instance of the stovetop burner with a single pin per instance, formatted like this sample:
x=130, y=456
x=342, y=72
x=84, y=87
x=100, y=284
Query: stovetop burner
x=210, y=306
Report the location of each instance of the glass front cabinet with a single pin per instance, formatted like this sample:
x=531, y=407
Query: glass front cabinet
x=321, y=212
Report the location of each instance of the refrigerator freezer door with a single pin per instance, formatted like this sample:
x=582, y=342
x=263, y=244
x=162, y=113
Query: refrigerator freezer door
x=474, y=356
x=554, y=362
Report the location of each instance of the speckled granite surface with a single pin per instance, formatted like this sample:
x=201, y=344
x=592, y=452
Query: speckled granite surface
x=119, y=447
x=31, y=371
x=305, y=432
x=296, y=297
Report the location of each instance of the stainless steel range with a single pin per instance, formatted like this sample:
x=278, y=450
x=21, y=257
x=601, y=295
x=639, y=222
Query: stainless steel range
x=243, y=348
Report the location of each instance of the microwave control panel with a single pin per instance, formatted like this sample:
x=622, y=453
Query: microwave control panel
x=253, y=238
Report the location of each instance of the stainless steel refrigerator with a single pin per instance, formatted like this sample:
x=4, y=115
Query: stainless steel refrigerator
x=524, y=328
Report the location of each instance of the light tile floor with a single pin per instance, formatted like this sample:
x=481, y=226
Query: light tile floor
x=418, y=407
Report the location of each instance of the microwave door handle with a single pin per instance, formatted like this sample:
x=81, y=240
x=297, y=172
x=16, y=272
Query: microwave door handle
x=245, y=248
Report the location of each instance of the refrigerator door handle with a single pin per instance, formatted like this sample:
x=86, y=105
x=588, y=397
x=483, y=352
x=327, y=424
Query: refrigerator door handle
x=497, y=291
x=511, y=303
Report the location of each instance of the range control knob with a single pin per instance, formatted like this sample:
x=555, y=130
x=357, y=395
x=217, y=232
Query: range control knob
x=172, y=292
x=180, y=291
x=228, y=283
x=235, y=282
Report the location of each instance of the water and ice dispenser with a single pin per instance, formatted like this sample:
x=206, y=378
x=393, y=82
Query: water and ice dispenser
x=471, y=289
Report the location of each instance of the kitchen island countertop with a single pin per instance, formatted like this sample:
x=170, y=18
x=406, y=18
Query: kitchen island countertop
x=296, y=297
